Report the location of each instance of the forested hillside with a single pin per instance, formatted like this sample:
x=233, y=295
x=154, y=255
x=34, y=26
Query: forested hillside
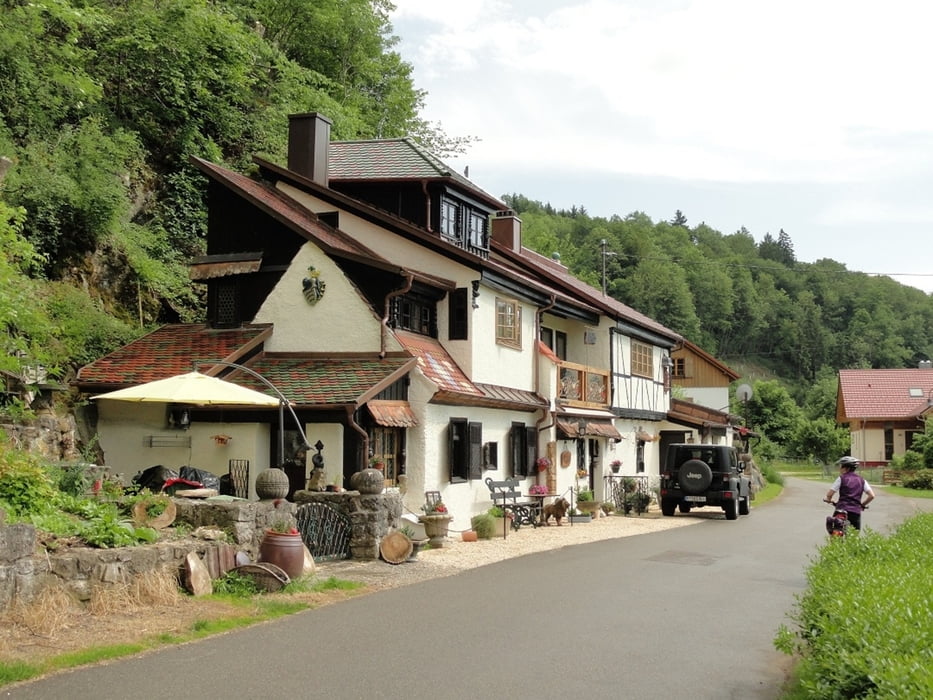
x=103, y=103
x=741, y=300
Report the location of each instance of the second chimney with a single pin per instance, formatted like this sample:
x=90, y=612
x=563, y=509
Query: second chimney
x=308, y=140
x=507, y=230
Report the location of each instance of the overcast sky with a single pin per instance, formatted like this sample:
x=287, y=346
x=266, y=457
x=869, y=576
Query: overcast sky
x=812, y=116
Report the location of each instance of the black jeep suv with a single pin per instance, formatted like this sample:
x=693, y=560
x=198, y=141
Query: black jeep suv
x=704, y=475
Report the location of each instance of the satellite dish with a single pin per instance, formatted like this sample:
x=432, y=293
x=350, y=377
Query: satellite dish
x=743, y=392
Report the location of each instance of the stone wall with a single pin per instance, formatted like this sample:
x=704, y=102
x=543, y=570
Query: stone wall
x=26, y=568
x=371, y=516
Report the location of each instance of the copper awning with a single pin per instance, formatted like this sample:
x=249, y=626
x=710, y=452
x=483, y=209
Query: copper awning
x=392, y=414
x=591, y=428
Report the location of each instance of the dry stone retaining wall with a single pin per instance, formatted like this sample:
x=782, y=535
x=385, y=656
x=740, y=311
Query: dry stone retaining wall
x=26, y=568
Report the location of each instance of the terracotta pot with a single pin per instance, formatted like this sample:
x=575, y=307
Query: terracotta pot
x=285, y=550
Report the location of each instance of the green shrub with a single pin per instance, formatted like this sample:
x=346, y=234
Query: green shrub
x=496, y=512
x=864, y=626
x=772, y=475
x=25, y=486
x=585, y=496
x=921, y=480
x=484, y=525
x=910, y=461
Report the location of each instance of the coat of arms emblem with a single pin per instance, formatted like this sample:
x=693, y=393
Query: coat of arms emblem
x=313, y=286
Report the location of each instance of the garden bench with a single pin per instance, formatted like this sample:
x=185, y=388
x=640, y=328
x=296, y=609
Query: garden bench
x=505, y=494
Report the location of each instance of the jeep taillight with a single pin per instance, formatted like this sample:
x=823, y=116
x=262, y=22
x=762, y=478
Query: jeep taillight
x=727, y=494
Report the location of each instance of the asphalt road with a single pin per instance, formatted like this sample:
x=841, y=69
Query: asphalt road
x=685, y=612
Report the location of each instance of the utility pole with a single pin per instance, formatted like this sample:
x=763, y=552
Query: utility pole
x=605, y=254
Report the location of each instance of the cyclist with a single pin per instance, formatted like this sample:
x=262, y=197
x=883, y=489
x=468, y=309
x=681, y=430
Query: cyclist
x=854, y=493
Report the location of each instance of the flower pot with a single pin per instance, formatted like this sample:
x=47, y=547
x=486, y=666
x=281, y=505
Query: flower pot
x=285, y=550
x=615, y=468
x=469, y=536
x=435, y=527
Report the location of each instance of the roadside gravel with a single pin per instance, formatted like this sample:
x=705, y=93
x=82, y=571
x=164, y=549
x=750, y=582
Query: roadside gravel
x=456, y=555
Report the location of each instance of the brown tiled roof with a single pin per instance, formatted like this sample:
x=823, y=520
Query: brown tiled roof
x=315, y=381
x=866, y=394
x=454, y=388
x=168, y=351
x=436, y=364
x=392, y=160
x=291, y=213
x=392, y=414
x=562, y=276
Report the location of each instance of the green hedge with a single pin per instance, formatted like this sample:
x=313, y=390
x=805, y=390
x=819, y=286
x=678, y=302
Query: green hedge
x=865, y=623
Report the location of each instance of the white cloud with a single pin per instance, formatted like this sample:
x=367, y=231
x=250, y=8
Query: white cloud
x=823, y=102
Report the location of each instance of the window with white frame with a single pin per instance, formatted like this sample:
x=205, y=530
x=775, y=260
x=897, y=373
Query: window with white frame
x=642, y=359
x=450, y=219
x=508, y=322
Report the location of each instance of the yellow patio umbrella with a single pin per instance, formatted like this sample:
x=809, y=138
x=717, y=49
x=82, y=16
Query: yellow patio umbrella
x=192, y=388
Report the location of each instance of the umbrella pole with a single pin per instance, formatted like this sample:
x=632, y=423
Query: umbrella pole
x=282, y=433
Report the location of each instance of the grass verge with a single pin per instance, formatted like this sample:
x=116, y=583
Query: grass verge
x=210, y=615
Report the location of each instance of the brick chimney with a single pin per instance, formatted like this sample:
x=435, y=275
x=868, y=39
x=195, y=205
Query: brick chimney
x=507, y=230
x=308, y=139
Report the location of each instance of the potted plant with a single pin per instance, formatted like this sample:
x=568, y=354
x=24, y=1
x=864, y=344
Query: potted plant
x=484, y=525
x=376, y=463
x=543, y=463
x=637, y=501
x=586, y=502
x=436, y=520
x=282, y=545
x=501, y=520
x=615, y=465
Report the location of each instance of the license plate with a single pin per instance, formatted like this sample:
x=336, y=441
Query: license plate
x=695, y=499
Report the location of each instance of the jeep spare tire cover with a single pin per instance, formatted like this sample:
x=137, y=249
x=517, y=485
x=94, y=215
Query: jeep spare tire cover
x=695, y=476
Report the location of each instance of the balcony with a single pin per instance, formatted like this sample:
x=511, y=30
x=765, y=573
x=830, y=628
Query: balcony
x=584, y=387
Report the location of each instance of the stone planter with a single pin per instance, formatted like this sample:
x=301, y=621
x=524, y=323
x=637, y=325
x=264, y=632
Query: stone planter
x=588, y=507
x=435, y=527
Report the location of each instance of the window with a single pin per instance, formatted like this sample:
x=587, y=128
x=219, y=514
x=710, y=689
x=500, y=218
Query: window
x=465, y=444
x=556, y=340
x=226, y=296
x=385, y=444
x=415, y=313
x=491, y=455
x=680, y=367
x=450, y=219
x=476, y=230
x=523, y=449
x=642, y=359
x=508, y=323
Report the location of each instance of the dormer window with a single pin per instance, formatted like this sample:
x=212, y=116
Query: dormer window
x=478, y=230
x=464, y=225
x=450, y=220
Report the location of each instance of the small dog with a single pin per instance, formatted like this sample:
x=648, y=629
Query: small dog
x=558, y=509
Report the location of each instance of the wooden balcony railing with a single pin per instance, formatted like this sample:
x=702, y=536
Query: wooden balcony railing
x=583, y=386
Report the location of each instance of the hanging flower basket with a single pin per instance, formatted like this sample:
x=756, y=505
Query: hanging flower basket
x=543, y=463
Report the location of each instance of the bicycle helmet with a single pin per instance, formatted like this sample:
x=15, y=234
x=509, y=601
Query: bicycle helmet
x=848, y=462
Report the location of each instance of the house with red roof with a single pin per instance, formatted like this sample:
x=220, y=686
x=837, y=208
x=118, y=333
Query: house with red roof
x=884, y=409
x=391, y=301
